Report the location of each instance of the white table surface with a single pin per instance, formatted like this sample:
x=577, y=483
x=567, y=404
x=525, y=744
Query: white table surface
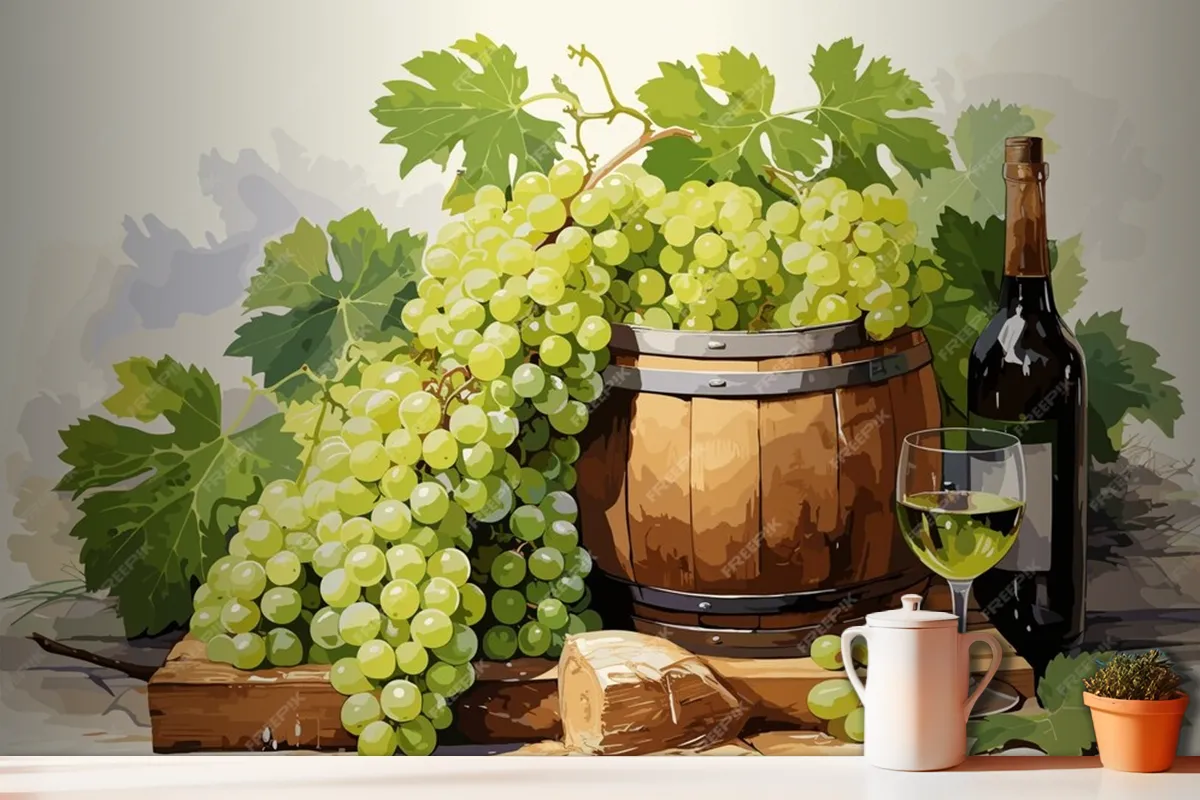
x=662, y=778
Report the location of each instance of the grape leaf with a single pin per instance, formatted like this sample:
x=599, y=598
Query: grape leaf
x=1063, y=728
x=977, y=189
x=858, y=111
x=455, y=103
x=324, y=314
x=728, y=132
x=970, y=255
x=1124, y=380
x=158, y=505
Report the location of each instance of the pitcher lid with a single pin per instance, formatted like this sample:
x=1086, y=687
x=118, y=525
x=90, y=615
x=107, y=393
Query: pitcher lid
x=911, y=615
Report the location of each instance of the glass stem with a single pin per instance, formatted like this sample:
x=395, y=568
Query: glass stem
x=959, y=590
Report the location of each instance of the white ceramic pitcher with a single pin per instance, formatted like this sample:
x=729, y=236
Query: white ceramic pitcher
x=916, y=694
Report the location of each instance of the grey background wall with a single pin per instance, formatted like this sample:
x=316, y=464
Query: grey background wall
x=148, y=149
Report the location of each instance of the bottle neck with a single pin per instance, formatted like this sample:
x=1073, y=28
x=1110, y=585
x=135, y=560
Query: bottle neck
x=1029, y=294
x=1026, y=251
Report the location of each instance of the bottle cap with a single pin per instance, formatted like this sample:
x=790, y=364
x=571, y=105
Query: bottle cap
x=1023, y=150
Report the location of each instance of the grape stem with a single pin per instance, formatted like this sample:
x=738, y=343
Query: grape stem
x=583, y=54
x=645, y=140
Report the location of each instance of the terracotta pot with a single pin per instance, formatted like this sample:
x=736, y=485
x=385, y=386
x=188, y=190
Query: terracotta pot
x=1137, y=735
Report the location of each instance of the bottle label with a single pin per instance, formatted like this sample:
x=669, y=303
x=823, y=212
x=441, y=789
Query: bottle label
x=1031, y=551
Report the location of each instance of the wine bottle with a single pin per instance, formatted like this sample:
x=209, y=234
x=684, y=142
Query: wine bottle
x=1026, y=377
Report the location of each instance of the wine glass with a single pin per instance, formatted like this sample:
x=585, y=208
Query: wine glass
x=960, y=496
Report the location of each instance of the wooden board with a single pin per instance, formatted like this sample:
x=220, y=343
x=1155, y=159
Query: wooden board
x=196, y=705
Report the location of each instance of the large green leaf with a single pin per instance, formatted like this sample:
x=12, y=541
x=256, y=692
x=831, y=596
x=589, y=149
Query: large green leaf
x=859, y=110
x=977, y=189
x=477, y=105
x=324, y=314
x=1063, y=728
x=1124, y=380
x=158, y=505
x=731, y=131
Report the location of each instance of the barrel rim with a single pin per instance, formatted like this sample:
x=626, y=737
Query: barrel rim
x=775, y=383
x=775, y=343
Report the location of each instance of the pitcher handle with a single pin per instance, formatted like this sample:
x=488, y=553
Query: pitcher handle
x=848, y=637
x=997, y=655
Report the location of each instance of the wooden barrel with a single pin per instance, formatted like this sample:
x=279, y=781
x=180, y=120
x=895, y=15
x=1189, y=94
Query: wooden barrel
x=739, y=486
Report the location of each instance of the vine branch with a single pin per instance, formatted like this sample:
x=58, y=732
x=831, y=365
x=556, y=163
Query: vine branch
x=645, y=140
x=140, y=672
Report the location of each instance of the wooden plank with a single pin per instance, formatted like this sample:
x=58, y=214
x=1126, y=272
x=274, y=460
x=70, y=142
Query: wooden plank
x=777, y=688
x=802, y=743
x=726, y=523
x=798, y=462
x=866, y=474
x=659, y=492
x=198, y=705
x=601, y=486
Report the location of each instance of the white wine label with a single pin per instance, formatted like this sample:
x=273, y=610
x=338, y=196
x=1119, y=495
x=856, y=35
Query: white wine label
x=1031, y=553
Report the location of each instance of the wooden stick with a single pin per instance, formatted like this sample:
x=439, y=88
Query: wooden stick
x=139, y=671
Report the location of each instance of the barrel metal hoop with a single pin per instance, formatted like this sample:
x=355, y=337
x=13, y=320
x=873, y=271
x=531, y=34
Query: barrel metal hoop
x=796, y=602
x=686, y=383
x=730, y=344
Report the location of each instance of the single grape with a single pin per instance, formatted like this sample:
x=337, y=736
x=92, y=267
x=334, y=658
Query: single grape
x=205, y=623
x=353, y=498
x=378, y=738
x=284, y=648
x=568, y=588
x=358, y=711
x=451, y=564
x=263, y=539
x=527, y=523
x=358, y=623
x=826, y=652
x=281, y=605
x=249, y=650
x=508, y=569
x=247, y=580
x=440, y=594
x=328, y=557
x=590, y=208
x=429, y=502
x=411, y=658
x=365, y=565
x=337, y=590
x=533, y=639
x=356, y=531
x=377, y=659
x=552, y=614
x=239, y=616
x=220, y=649
x=323, y=629
x=431, y=628
x=416, y=737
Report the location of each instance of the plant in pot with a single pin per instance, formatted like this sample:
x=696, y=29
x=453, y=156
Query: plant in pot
x=1137, y=710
